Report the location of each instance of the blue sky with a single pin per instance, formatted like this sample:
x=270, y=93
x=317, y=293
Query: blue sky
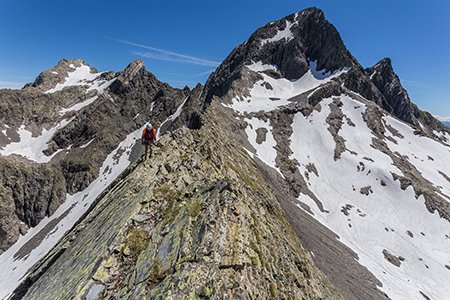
x=182, y=42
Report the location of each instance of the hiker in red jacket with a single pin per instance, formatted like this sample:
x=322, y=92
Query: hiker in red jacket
x=149, y=139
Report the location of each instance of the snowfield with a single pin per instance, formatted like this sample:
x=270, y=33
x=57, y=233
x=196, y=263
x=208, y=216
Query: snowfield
x=266, y=99
x=83, y=76
x=18, y=259
x=286, y=34
x=388, y=218
x=361, y=201
x=32, y=147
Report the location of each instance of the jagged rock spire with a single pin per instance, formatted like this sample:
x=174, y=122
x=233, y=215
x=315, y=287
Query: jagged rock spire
x=384, y=78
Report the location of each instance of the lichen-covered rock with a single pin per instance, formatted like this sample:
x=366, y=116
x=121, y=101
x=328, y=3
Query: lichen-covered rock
x=213, y=230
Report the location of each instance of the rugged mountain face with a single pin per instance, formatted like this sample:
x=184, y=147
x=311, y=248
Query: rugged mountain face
x=336, y=136
x=290, y=138
x=388, y=83
x=307, y=41
x=70, y=119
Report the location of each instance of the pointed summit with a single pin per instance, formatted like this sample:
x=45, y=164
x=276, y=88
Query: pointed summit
x=50, y=78
x=133, y=77
x=289, y=44
x=384, y=78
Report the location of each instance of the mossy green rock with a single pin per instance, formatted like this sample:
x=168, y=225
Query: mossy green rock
x=215, y=231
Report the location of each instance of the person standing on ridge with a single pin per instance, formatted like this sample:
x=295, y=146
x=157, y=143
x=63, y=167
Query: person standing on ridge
x=149, y=139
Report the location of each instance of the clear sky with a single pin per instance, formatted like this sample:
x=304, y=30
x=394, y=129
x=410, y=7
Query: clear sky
x=182, y=42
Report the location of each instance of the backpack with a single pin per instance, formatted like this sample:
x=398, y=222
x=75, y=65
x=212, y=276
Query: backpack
x=149, y=135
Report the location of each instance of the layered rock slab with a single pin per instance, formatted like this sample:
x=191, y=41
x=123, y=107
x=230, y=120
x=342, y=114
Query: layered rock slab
x=213, y=230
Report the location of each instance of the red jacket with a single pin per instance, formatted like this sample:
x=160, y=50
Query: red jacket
x=149, y=135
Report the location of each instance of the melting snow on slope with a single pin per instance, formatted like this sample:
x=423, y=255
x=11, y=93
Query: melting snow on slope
x=430, y=157
x=32, y=147
x=267, y=99
x=265, y=147
x=78, y=106
x=172, y=117
x=83, y=76
x=387, y=216
x=285, y=33
x=14, y=269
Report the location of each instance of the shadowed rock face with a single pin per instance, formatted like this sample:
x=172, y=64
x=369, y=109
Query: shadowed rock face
x=388, y=83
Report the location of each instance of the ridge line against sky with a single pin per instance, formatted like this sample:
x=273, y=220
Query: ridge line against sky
x=201, y=34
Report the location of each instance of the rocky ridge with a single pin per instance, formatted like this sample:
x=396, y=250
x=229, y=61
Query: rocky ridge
x=195, y=222
x=79, y=147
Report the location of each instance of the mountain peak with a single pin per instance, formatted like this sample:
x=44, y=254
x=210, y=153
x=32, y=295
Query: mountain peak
x=134, y=76
x=289, y=44
x=388, y=83
x=385, y=64
x=48, y=79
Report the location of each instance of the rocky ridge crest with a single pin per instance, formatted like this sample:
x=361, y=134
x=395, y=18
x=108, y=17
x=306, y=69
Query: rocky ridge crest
x=194, y=222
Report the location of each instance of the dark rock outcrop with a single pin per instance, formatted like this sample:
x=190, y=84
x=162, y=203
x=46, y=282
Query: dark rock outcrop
x=387, y=82
x=29, y=192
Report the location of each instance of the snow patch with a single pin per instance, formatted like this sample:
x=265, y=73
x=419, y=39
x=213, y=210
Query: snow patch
x=322, y=74
x=32, y=147
x=263, y=98
x=281, y=34
x=83, y=76
x=264, y=149
x=87, y=144
x=14, y=270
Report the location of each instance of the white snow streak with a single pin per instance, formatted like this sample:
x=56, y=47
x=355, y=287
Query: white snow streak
x=172, y=117
x=13, y=271
x=32, y=147
x=285, y=33
x=78, y=106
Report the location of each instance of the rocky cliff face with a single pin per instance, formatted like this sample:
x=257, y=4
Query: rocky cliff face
x=87, y=119
x=195, y=222
x=304, y=41
x=387, y=82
